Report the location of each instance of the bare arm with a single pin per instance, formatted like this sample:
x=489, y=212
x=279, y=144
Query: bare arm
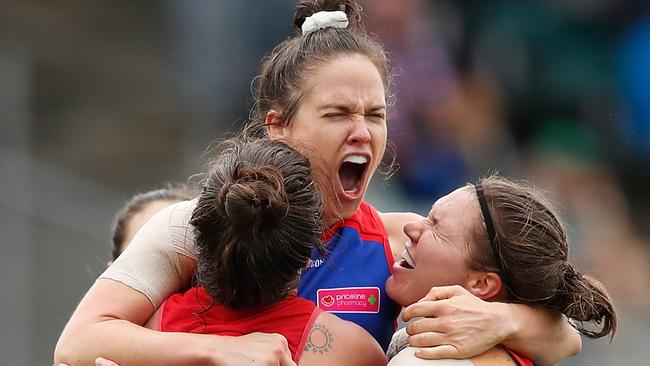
x=333, y=341
x=544, y=336
x=460, y=325
x=105, y=324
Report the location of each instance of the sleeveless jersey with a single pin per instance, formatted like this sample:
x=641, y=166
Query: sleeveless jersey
x=293, y=317
x=349, y=278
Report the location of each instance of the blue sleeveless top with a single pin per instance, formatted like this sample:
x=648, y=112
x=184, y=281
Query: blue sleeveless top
x=349, y=278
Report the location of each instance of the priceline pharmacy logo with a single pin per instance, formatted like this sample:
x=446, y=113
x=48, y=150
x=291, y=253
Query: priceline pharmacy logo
x=350, y=299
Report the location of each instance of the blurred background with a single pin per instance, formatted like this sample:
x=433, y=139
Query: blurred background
x=100, y=100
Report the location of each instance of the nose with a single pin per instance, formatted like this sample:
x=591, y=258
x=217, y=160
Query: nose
x=412, y=231
x=359, y=133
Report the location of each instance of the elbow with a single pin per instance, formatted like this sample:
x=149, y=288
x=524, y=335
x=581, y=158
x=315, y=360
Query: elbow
x=62, y=351
x=67, y=348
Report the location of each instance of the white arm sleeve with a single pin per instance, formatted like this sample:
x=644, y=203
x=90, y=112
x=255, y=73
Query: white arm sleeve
x=150, y=264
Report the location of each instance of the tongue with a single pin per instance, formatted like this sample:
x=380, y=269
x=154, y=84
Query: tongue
x=348, y=176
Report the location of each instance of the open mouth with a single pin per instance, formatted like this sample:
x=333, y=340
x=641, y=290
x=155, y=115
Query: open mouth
x=407, y=261
x=352, y=172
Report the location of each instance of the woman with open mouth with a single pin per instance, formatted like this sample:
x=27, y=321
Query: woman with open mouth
x=499, y=241
x=324, y=89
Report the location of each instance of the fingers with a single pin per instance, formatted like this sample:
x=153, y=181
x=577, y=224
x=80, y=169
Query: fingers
x=444, y=292
x=284, y=355
x=439, y=352
x=425, y=325
x=429, y=309
x=434, y=303
x=427, y=339
x=284, y=343
x=100, y=361
x=286, y=360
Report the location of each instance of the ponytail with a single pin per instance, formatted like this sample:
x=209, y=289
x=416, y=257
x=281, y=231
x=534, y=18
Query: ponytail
x=585, y=300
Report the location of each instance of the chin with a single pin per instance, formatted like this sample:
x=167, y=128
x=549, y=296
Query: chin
x=395, y=294
x=349, y=208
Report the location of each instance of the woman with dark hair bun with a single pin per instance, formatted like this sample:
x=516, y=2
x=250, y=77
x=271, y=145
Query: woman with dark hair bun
x=499, y=241
x=256, y=222
x=326, y=88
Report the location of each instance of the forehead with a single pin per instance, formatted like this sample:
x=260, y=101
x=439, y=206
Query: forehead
x=458, y=207
x=347, y=80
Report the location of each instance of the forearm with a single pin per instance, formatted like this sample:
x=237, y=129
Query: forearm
x=129, y=344
x=545, y=337
x=107, y=323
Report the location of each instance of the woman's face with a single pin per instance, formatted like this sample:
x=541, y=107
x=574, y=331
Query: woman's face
x=437, y=253
x=343, y=118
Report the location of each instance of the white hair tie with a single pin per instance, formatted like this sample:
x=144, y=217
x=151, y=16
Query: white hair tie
x=324, y=19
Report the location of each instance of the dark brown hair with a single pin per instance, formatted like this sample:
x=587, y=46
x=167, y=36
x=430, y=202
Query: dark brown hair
x=172, y=193
x=530, y=254
x=280, y=84
x=256, y=222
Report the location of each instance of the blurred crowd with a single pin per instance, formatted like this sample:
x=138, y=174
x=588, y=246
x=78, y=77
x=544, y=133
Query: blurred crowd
x=552, y=92
x=130, y=94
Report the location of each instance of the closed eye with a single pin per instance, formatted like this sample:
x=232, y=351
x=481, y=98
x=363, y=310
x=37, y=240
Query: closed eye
x=334, y=115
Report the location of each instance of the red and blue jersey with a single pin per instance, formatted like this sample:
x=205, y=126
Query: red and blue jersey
x=349, y=278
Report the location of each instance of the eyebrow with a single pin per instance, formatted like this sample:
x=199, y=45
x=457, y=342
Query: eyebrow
x=346, y=107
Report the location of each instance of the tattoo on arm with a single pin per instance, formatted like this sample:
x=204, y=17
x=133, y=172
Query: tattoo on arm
x=320, y=339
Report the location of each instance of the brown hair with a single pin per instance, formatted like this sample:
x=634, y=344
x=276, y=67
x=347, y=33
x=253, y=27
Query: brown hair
x=172, y=193
x=530, y=254
x=256, y=222
x=281, y=81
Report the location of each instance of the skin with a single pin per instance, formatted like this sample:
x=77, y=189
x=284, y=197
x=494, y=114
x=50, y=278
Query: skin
x=343, y=112
x=331, y=341
x=142, y=216
x=351, y=125
x=138, y=220
x=439, y=247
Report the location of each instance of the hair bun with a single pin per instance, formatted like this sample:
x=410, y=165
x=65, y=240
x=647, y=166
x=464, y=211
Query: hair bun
x=351, y=8
x=255, y=197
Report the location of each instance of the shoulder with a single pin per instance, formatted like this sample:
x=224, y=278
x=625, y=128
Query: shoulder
x=496, y=356
x=397, y=219
x=333, y=341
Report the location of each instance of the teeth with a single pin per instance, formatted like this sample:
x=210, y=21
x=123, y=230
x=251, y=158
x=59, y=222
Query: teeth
x=356, y=159
x=407, y=257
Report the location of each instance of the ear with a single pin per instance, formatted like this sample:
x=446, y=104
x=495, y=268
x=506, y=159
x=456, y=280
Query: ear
x=274, y=125
x=485, y=285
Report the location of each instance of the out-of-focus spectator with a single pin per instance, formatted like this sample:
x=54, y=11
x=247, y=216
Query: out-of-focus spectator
x=430, y=161
x=634, y=77
x=568, y=161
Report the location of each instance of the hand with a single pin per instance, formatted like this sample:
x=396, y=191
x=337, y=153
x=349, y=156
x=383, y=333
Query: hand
x=98, y=362
x=457, y=324
x=104, y=362
x=258, y=349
